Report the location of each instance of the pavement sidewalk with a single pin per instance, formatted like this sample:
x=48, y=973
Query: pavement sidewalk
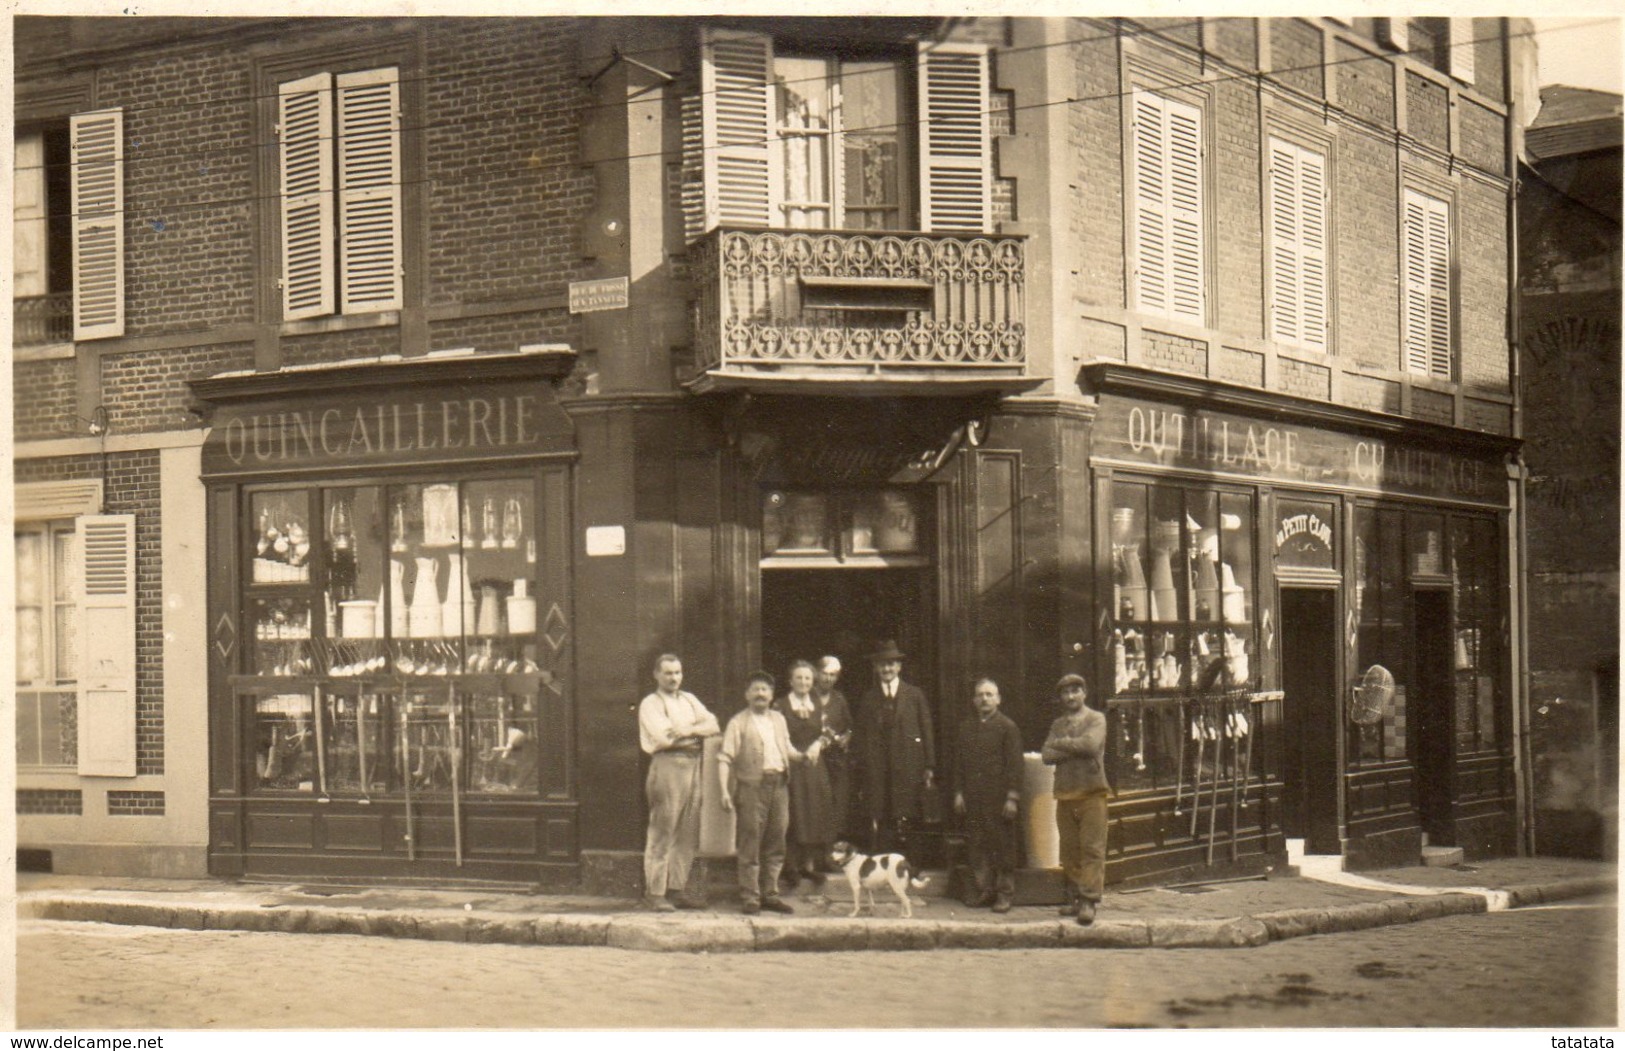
x=1230, y=914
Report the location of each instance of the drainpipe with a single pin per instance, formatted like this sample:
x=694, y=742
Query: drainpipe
x=1518, y=599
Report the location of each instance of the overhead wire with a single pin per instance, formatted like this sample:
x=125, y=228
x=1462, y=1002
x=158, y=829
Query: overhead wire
x=579, y=164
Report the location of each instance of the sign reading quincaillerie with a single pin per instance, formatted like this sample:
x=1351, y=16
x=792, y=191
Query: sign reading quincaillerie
x=463, y=422
x=1200, y=439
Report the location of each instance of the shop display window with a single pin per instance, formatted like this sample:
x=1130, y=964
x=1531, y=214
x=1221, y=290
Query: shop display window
x=873, y=526
x=1476, y=656
x=407, y=620
x=1182, y=639
x=1381, y=603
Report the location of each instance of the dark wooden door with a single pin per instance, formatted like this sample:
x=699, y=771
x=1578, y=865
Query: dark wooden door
x=1309, y=738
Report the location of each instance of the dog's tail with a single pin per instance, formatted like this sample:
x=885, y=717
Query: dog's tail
x=919, y=881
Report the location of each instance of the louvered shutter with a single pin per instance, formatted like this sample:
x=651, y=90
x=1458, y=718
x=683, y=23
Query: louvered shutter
x=305, y=128
x=1168, y=199
x=369, y=172
x=1427, y=285
x=1297, y=188
x=692, y=173
x=98, y=217
x=956, y=158
x=1395, y=32
x=1462, y=45
x=107, y=646
x=737, y=120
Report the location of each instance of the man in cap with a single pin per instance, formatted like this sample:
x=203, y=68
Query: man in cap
x=895, y=736
x=1076, y=747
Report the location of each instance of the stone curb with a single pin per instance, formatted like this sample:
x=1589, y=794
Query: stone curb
x=721, y=933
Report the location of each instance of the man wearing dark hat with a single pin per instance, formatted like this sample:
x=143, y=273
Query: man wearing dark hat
x=898, y=753
x=1076, y=747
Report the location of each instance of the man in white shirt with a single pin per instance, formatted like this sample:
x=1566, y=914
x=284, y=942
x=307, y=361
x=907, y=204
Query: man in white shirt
x=672, y=728
x=754, y=764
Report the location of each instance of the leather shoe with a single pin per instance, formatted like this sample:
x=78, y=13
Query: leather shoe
x=777, y=905
x=689, y=901
x=982, y=901
x=1086, y=912
x=751, y=908
x=659, y=905
x=1001, y=904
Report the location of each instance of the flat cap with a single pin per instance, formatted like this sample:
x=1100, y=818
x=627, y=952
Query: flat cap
x=1070, y=679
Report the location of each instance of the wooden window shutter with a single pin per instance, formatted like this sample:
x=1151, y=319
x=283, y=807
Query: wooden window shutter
x=1462, y=45
x=1395, y=32
x=305, y=128
x=107, y=646
x=98, y=223
x=737, y=125
x=956, y=158
x=369, y=115
x=692, y=173
x=1168, y=200
x=1427, y=285
x=1298, y=265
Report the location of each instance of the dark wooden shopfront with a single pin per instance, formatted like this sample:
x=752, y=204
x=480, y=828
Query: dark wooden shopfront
x=391, y=625
x=1255, y=555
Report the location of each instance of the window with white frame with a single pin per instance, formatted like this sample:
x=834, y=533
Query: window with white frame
x=1168, y=195
x=340, y=185
x=1426, y=269
x=47, y=606
x=785, y=136
x=67, y=229
x=1298, y=266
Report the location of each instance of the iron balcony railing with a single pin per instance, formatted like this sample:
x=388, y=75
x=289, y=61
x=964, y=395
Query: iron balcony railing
x=897, y=304
x=38, y=320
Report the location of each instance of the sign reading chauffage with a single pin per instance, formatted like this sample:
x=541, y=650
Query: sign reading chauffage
x=1200, y=439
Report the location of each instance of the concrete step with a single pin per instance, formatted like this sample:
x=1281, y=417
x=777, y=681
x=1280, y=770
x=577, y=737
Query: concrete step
x=1442, y=857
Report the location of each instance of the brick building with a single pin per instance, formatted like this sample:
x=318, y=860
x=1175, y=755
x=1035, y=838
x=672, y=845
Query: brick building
x=1569, y=244
x=389, y=393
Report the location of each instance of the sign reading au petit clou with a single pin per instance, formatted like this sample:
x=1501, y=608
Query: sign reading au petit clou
x=1304, y=534
x=1200, y=439
x=466, y=422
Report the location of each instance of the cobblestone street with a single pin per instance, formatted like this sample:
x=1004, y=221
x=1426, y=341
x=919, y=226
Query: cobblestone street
x=1546, y=966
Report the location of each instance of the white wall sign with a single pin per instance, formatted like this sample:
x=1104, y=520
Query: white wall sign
x=610, y=293
x=606, y=540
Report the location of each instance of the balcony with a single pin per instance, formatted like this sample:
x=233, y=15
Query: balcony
x=812, y=310
x=41, y=320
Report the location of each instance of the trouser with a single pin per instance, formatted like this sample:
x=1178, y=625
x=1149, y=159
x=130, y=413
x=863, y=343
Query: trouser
x=763, y=810
x=1082, y=824
x=673, y=788
x=990, y=843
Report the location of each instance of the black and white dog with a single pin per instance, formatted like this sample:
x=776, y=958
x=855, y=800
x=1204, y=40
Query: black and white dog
x=863, y=871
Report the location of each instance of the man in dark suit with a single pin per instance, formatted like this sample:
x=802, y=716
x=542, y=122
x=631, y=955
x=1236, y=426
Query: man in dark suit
x=897, y=750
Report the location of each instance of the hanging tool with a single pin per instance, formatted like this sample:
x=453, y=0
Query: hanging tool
x=321, y=747
x=456, y=777
x=1238, y=730
x=1198, y=731
x=1218, y=766
x=406, y=779
x=361, y=745
x=1139, y=751
x=1187, y=728
x=1247, y=766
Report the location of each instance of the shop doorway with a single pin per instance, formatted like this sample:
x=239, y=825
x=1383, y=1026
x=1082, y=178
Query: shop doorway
x=1309, y=730
x=807, y=613
x=1435, y=782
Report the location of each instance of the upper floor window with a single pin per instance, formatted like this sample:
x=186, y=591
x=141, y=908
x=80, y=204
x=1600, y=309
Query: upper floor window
x=67, y=231
x=1297, y=238
x=1169, y=270
x=793, y=138
x=1445, y=44
x=1426, y=264
x=340, y=168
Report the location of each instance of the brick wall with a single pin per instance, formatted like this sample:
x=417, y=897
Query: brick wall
x=1371, y=393
x=1367, y=252
x=340, y=346
x=1296, y=55
x=1304, y=379
x=1433, y=405
x=507, y=190
x=131, y=486
x=1237, y=304
x=1097, y=214
x=1175, y=353
x=1184, y=30
x=509, y=331
x=44, y=398
x=1491, y=416
x=135, y=804
x=1483, y=141
x=1428, y=119
x=1235, y=40
x=1365, y=84
x=147, y=392
x=50, y=801
x=1482, y=261
x=1240, y=366
x=188, y=187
